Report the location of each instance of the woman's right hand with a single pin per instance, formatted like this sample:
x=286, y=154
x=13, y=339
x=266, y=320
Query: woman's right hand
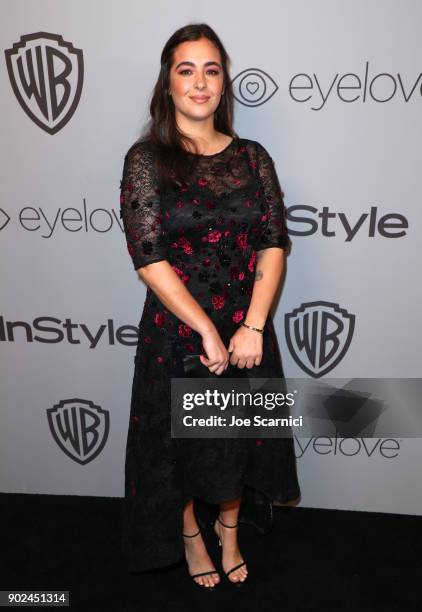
x=218, y=355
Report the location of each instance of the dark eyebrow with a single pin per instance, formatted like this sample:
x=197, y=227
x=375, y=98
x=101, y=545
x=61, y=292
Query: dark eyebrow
x=193, y=64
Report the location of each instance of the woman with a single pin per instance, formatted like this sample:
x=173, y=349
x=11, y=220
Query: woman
x=204, y=220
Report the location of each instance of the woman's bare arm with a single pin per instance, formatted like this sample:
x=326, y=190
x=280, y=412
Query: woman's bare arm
x=269, y=268
x=246, y=346
x=172, y=292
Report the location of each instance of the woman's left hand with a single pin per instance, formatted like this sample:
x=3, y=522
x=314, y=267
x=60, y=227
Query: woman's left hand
x=245, y=348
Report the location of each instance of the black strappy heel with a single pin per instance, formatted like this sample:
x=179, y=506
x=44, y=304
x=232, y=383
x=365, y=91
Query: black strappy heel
x=208, y=588
x=239, y=582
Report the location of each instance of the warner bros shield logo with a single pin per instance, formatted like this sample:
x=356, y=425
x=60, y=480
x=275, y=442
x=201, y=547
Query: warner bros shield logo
x=46, y=74
x=80, y=428
x=318, y=335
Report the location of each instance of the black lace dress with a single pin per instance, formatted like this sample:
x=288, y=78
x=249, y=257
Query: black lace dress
x=210, y=231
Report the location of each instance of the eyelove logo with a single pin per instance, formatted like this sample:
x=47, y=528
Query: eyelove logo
x=69, y=219
x=366, y=86
x=387, y=448
x=46, y=74
x=253, y=87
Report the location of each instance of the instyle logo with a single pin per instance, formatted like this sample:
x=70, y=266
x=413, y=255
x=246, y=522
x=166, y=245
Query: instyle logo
x=332, y=224
x=46, y=74
x=386, y=448
x=80, y=428
x=51, y=330
x=318, y=335
x=253, y=87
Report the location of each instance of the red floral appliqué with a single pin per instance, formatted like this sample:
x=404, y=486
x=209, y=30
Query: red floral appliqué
x=184, y=243
x=237, y=316
x=214, y=236
x=159, y=319
x=242, y=241
x=251, y=263
x=185, y=330
x=179, y=272
x=217, y=301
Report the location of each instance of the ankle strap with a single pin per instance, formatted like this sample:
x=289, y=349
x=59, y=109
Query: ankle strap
x=185, y=535
x=224, y=525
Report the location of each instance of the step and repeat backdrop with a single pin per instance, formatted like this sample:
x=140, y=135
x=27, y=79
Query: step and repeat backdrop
x=333, y=91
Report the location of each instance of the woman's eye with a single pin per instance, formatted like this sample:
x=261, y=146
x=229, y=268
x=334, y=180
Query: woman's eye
x=214, y=72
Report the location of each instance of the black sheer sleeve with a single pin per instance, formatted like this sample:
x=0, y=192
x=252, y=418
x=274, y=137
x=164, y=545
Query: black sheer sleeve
x=140, y=207
x=274, y=231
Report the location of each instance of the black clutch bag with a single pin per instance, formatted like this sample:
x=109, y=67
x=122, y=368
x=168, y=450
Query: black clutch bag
x=194, y=368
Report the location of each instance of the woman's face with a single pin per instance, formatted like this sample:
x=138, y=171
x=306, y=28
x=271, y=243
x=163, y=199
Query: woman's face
x=196, y=79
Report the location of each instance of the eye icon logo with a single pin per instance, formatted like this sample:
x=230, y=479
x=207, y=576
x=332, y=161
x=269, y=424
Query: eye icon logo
x=4, y=218
x=318, y=335
x=46, y=75
x=80, y=428
x=253, y=87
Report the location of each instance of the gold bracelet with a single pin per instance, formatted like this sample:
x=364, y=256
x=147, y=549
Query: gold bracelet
x=261, y=331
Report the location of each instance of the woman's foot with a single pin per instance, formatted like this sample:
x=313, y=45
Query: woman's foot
x=198, y=559
x=231, y=553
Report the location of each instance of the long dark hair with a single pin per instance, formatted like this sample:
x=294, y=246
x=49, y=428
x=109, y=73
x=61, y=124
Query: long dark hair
x=174, y=165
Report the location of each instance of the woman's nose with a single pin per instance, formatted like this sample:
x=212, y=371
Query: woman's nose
x=200, y=83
